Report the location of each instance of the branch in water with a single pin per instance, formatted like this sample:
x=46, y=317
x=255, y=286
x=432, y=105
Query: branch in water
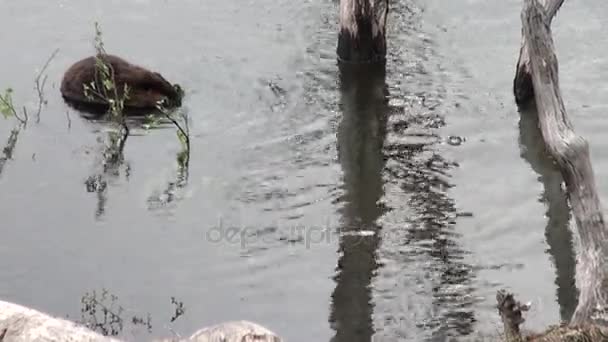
x=40, y=85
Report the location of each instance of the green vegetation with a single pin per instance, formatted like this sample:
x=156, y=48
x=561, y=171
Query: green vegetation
x=105, y=88
x=102, y=313
x=8, y=110
x=109, y=93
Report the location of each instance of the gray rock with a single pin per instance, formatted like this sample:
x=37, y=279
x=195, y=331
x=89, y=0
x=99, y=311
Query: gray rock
x=22, y=324
x=237, y=331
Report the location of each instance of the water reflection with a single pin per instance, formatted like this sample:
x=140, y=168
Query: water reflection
x=423, y=173
x=7, y=150
x=390, y=157
x=417, y=168
x=360, y=141
x=110, y=165
x=168, y=195
x=557, y=232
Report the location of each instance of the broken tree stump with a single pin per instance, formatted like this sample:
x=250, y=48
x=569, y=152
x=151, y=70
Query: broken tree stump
x=362, y=35
x=523, y=89
x=571, y=153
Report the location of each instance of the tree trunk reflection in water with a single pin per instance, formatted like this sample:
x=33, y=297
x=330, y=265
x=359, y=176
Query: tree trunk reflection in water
x=360, y=140
x=422, y=174
x=411, y=166
x=557, y=232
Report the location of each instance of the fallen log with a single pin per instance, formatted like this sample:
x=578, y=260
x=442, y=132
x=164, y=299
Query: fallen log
x=522, y=83
x=22, y=324
x=362, y=35
x=571, y=153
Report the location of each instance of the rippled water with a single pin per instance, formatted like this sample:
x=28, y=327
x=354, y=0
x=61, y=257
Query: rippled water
x=325, y=204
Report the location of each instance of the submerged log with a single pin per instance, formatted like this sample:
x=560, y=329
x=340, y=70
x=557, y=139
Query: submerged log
x=362, y=36
x=22, y=324
x=523, y=88
x=571, y=152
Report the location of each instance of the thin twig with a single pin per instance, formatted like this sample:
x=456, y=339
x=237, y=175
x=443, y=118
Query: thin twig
x=25, y=115
x=40, y=86
x=67, y=114
x=185, y=132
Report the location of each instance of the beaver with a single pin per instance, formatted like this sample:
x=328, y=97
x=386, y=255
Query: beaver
x=146, y=88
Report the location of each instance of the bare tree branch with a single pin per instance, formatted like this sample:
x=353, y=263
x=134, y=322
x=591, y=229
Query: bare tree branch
x=40, y=85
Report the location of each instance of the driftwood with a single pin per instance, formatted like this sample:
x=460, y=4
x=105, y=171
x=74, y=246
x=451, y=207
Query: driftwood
x=571, y=153
x=362, y=35
x=522, y=83
x=21, y=324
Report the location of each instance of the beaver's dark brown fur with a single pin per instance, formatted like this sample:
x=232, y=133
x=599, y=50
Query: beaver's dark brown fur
x=146, y=88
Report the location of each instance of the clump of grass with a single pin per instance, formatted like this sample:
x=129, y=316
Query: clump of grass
x=100, y=312
x=9, y=110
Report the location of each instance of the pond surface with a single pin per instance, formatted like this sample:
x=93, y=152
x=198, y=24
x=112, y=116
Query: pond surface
x=310, y=205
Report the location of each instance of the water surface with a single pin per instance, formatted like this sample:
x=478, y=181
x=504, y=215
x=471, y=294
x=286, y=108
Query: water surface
x=365, y=206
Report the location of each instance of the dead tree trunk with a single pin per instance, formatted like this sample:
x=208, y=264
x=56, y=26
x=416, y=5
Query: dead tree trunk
x=571, y=152
x=362, y=36
x=522, y=83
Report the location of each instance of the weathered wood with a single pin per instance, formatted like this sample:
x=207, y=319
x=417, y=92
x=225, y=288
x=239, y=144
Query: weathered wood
x=362, y=35
x=22, y=324
x=522, y=83
x=571, y=152
x=511, y=313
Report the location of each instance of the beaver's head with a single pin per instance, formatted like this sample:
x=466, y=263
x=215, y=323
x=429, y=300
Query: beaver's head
x=172, y=100
x=150, y=89
x=172, y=95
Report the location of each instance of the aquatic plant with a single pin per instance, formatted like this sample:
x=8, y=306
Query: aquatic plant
x=105, y=88
x=8, y=110
x=108, y=92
